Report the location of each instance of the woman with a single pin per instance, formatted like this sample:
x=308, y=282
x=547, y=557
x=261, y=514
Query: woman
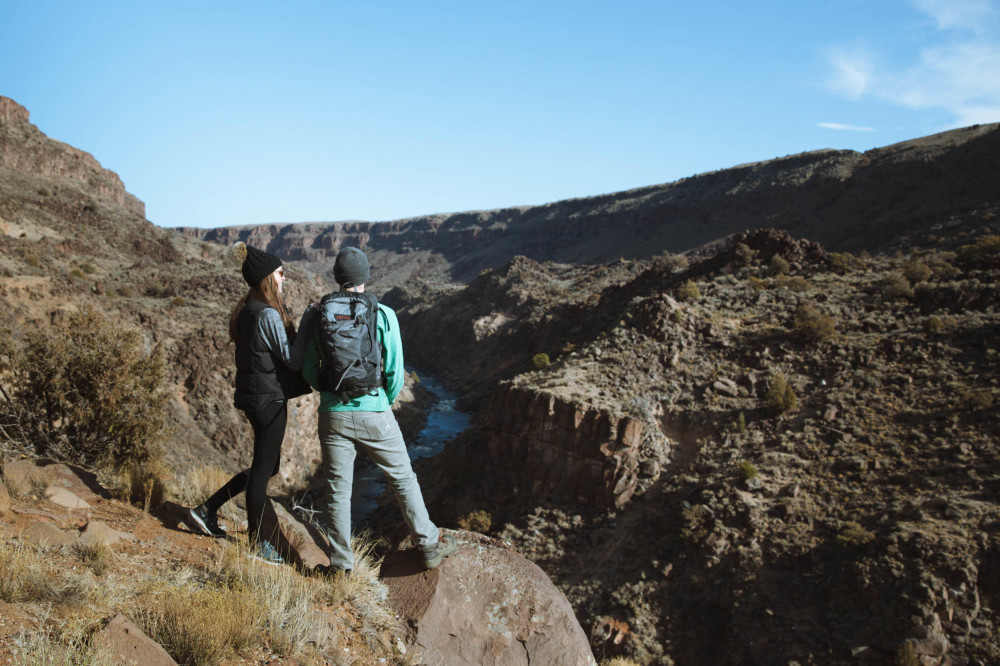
x=267, y=365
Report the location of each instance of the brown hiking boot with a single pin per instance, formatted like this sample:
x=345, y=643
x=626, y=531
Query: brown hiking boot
x=443, y=548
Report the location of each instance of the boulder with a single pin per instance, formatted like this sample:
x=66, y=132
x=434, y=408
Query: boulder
x=47, y=534
x=23, y=474
x=65, y=498
x=95, y=532
x=297, y=542
x=126, y=644
x=20, y=475
x=486, y=605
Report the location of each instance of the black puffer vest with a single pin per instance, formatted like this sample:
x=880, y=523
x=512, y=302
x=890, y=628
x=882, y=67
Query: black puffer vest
x=256, y=375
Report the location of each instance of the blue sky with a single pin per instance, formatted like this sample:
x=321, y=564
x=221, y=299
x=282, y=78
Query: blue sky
x=220, y=113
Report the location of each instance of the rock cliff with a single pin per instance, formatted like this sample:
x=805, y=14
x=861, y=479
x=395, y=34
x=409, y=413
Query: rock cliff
x=844, y=200
x=25, y=149
x=544, y=447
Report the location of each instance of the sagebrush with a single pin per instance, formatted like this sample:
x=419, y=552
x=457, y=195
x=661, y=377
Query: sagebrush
x=84, y=388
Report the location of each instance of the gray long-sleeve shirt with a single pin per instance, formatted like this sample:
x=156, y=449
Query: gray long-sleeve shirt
x=272, y=331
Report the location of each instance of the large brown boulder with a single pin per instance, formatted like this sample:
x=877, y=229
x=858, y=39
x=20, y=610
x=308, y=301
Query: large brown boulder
x=486, y=605
x=126, y=644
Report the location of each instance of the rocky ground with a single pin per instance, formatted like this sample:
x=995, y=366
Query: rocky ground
x=77, y=562
x=851, y=518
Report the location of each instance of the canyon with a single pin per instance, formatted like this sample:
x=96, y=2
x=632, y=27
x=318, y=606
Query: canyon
x=619, y=356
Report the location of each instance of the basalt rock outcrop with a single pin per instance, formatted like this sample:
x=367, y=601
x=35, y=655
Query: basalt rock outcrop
x=25, y=149
x=485, y=605
x=544, y=447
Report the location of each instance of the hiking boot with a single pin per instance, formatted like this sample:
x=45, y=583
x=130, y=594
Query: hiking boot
x=202, y=521
x=443, y=548
x=328, y=570
x=266, y=553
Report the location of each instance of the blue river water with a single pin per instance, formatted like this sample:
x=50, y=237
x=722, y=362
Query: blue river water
x=444, y=422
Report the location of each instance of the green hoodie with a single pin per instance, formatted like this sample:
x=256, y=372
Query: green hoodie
x=392, y=368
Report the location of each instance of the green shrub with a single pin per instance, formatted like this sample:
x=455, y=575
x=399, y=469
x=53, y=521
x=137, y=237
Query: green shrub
x=77, y=273
x=178, y=301
x=32, y=261
x=88, y=268
x=811, y=324
x=935, y=325
x=144, y=485
x=854, y=535
x=843, y=263
x=85, y=389
x=748, y=470
x=780, y=397
x=987, y=246
x=976, y=399
x=688, y=291
x=777, y=266
x=795, y=283
x=540, y=361
x=477, y=521
x=897, y=287
x=672, y=263
x=941, y=267
x=917, y=271
x=741, y=423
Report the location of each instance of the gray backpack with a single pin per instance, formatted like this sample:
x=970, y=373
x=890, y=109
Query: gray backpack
x=348, y=341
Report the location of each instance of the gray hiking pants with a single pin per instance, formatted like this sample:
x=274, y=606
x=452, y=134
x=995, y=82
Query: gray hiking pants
x=379, y=435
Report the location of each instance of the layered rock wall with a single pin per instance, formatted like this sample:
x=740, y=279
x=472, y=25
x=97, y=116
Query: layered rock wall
x=24, y=148
x=842, y=199
x=546, y=447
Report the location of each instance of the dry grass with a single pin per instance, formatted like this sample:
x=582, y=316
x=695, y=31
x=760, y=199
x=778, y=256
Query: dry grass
x=366, y=594
x=232, y=608
x=24, y=576
x=97, y=556
x=203, y=625
x=197, y=485
x=61, y=642
x=286, y=598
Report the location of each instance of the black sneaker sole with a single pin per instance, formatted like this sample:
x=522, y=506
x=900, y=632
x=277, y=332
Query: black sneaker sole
x=195, y=521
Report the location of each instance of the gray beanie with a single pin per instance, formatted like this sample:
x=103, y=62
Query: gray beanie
x=351, y=267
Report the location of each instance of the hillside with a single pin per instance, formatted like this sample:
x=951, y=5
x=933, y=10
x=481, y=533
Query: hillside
x=930, y=192
x=71, y=236
x=744, y=418
x=698, y=512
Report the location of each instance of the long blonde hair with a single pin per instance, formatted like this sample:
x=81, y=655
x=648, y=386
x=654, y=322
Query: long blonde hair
x=265, y=292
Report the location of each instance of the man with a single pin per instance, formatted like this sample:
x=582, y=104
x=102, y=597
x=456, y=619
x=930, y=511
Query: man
x=347, y=420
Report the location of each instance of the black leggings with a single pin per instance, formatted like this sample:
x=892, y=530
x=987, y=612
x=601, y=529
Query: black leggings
x=268, y=432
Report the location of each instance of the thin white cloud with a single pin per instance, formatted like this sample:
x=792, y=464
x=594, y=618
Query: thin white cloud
x=853, y=72
x=845, y=127
x=957, y=70
x=958, y=14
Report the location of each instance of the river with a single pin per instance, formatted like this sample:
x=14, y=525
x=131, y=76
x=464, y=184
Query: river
x=444, y=422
